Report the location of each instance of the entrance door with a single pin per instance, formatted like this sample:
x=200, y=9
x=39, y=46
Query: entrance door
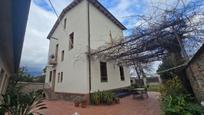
x=53, y=79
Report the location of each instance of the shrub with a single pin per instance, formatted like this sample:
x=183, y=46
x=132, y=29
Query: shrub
x=179, y=105
x=172, y=87
x=103, y=97
x=176, y=101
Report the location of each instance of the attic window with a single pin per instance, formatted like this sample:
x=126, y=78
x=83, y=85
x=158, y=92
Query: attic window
x=71, y=41
x=65, y=23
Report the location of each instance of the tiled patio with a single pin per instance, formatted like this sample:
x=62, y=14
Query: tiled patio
x=127, y=106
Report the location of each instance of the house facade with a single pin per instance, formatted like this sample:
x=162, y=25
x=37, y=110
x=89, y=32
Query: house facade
x=83, y=25
x=13, y=20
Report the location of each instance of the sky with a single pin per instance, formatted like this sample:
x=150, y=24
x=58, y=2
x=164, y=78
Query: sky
x=42, y=18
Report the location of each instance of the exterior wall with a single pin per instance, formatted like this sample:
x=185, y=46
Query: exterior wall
x=74, y=66
x=114, y=80
x=4, y=78
x=100, y=28
x=29, y=87
x=195, y=72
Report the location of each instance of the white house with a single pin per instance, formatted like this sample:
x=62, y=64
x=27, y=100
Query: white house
x=82, y=26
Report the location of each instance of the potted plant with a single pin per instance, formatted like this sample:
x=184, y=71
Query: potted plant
x=77, y=101
x=84, y=103
x=117, y=100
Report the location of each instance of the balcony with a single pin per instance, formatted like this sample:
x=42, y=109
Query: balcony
x=52, y=60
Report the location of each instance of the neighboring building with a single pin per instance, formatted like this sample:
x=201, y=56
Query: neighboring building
x=13, y=20
x=83, y=25
x=195, y=73
x=153, y=80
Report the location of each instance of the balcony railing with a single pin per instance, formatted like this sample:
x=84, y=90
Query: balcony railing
x=52, y=62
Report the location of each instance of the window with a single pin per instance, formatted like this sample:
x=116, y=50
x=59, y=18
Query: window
x=122, y=77
x=56, y=52
x=50, y=79
x=62, y=56
x=65, y=23
x=71, y=41
x=58, y=77
x=61, y=77
x=103, y=68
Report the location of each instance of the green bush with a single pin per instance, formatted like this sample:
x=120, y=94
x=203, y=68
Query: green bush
x=176, y=101
x=179, y=105
x=172, y=87
x=103, y=97
x=155, y=88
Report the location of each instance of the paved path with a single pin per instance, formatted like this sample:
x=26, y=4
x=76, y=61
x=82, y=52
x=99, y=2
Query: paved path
x=127, y=106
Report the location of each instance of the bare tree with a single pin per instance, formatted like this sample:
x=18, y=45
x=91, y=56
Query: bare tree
x=176, y=31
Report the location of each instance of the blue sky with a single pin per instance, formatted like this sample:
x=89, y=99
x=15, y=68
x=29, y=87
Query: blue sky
x=42, y=18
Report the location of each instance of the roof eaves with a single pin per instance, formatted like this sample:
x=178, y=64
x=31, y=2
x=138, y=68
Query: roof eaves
x=107, y=13
x=65, y=10
x=200, y=50
x=96, y=4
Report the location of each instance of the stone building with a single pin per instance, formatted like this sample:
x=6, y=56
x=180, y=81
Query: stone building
x=195, y=73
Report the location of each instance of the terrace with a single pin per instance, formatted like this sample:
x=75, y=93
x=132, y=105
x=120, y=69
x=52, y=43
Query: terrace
x=127, y=106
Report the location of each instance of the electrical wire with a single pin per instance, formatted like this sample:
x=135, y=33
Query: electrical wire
x=53, y=8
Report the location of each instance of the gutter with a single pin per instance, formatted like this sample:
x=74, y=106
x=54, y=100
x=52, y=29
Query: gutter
x=89, y=46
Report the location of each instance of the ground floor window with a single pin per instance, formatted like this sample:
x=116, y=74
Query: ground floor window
x=58, y=77
x=50, y=77
x=61, y=77
x=122, y=77
x=103, y=69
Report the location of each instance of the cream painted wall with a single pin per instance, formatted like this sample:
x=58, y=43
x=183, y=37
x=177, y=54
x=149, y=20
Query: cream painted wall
x=75, y=64
x=114, y=80
x=101, y=27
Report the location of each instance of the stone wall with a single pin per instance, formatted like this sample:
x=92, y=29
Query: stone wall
x=195, y=73
x=29, y=87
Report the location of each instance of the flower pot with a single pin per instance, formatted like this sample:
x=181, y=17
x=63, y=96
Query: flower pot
x=76, y=104
x=84, y=104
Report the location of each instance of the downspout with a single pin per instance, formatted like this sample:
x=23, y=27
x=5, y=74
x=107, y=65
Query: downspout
x=89, y=47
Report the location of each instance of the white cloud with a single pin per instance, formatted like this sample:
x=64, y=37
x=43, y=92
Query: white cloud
x=40, y=22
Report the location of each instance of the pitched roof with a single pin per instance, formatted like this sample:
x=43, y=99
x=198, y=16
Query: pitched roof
x=95, y=3
x=198, y=53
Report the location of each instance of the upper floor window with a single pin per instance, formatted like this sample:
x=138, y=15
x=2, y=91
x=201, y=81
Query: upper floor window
x=122, y=77
x=65, y=23
x=104, y=75
x=62, y=56
x=56, y=52
x=71, y=41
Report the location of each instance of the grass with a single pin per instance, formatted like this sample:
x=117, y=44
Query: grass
x=155, y=88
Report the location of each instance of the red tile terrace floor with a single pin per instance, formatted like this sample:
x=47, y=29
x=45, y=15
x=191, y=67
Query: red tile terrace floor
x=127, y=106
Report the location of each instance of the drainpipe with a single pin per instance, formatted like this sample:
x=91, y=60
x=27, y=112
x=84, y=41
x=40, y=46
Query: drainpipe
x=89, y=47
